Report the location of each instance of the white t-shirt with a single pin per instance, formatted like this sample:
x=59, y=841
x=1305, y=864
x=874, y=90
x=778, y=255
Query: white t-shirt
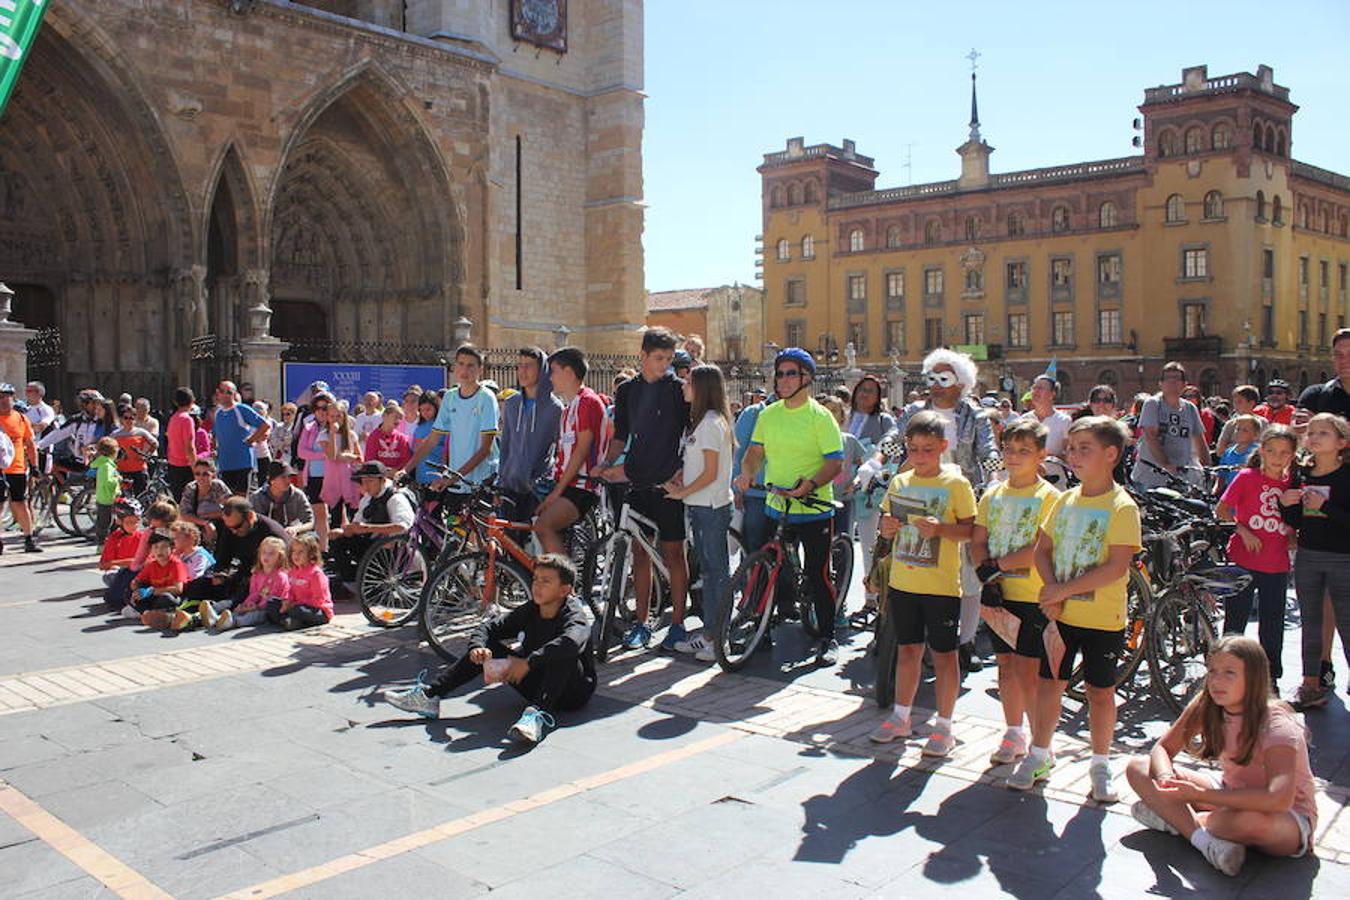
x=711, y=434
x=366, y=423
x=400, y=509
x=1057, y=423
x=41, y=415
x=949, y=426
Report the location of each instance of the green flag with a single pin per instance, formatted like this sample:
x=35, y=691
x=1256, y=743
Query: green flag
x=19, y=21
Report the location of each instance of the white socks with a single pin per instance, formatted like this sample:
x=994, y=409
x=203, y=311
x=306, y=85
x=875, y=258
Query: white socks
x=1016, y=732
x=1200, y=839
x=900, y=712
x=1101, y=759
x=942, y=725
x=1039, y=754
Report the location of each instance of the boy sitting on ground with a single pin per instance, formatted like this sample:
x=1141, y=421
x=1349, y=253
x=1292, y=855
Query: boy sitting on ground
x=553, y=668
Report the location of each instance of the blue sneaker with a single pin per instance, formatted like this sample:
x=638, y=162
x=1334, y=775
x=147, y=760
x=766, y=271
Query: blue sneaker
x=532, y=727
x=415, y=699
x=637, y=637
x=674, y=635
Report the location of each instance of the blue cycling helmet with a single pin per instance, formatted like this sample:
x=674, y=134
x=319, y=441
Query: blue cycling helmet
x=797, y=355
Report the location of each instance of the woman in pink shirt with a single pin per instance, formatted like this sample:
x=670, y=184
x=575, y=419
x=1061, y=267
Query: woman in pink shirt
x=181, y=435
x=310, y=602
x=389, y=443
x=1264, y=795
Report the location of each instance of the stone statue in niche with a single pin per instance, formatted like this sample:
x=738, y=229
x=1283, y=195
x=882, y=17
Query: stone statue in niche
x=850, y=356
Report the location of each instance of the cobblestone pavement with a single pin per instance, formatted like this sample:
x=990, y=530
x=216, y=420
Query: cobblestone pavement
x=263, y=763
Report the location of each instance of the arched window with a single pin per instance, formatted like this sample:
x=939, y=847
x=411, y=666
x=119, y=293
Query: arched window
x=972, y=228
x=1209, y=382
x=1167, y=144
x=974, y=280
x=932, y=232
x=1303, y=215
x=855, y=241
x=1260, y=205
x=1220, y=138
x=1214, y=205
x=1107, y=216
x=1059, y=219
x=1270, y=139
x=1278, y=215
x=776, y=196
x=784, y=250
x=1015, y=226
x=1176, y=209
x=893, y=236
x=811, y=195
x=1195, y=140
x=808, y=247
x=1279, y=143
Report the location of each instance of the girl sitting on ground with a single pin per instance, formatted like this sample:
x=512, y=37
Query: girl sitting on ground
x=1264, y=796
x=270, y=584
x=310, y=602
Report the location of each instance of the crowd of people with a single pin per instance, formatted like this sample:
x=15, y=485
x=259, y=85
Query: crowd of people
x=948, y=496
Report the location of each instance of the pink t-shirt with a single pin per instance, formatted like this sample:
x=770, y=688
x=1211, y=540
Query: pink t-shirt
x=264, y=586
x=1255, y=499
x=180, y=436
x=392, y=448
x=309, y=587
x=1283, y=729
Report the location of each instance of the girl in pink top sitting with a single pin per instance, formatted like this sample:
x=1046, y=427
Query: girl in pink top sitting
x=1264, y=795
x=389, y=443
x=310, y=602
x=269, y=585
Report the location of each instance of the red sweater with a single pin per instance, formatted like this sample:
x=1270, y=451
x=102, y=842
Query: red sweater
x=120, y=545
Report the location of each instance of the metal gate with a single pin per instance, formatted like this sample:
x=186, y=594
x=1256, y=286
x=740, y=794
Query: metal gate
x=46, y=361
x=214, y=359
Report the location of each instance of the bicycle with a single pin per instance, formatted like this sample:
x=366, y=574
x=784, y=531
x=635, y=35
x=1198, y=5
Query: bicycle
x=746, y=617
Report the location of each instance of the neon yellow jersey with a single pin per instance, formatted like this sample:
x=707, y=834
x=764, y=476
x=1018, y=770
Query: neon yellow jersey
x=922, y=565
x=796, y=442
x=1084, y=530
x=1014, y=518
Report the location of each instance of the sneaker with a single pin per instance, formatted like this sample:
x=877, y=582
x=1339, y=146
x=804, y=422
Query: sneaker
x=842, y=620
x=828, y=654
x=413, y=699
x=130, y=612
x=1010, y=750
x=700, y=647
x=1103, y=790
x=638, y=636
x=675, y=635
x=1226, y=856
x=225, y=621
x=156, y=618
x=182, y=620
x=1328, y=675
x=1029, y=771
x=969, y=661
x=532, y=727
x=1310, y=696
x=208, y=613
x=892, y=728
x=940, y=744
x=30, y=546
x=1144, y=815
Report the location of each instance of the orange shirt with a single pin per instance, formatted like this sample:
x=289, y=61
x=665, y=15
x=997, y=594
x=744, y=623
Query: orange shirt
x=20, y=431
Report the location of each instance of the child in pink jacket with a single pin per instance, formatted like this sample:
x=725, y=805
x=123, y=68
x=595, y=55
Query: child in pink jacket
x=310, y=602
x=269, y=586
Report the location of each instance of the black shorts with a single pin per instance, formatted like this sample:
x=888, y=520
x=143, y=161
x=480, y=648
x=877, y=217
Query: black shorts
x=314, y=488
x=16, y=487
x=666, y=513
x=1030, y=636
x=1102, y=651
x=925, y=618
x=582, y=499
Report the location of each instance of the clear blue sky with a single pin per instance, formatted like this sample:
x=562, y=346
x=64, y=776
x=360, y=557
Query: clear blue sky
x=730, y=80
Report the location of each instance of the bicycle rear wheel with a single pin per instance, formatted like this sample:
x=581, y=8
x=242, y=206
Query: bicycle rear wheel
x=1179, y=636
x=885, y=649
x=457, y=597
x=40, y=504
x=1138, y=607
x=744, y=619
x=389, y=581
x=83, y=512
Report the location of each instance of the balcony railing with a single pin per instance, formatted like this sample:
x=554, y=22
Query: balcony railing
x=1207, y=346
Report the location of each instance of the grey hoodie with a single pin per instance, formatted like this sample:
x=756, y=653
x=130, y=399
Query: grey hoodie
x=527, y=435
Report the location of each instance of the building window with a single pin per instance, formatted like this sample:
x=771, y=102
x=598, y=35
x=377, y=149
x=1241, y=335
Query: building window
x=808, y=247
x=932, y=282
x=1107, y=215
x=1192, y=320
x=1061, y=327
x=1279, y=143
x=1303, y=278
x=973, y=228
x=1322, y=330
x=796, y=293
x=1195, y=141
x=893, y=236
x=855, y=241
x=1195, y=263
x=1278, y=215
x=932, y=233
x=1302, y=329
x=1015, y=226
x=1267, y=263
x=1061, y=272
x=1176, y=209
x=1059, y=219
x=974, y=328
x=1324, y=275
x=932, y=333
x=1108, y=268
x=1268, y=326
x=1214, y=205
x=1220, y=137
x=857, y=294
x=895, y=290
x=794, y=194
x=1019, y=334
x=1167, y=144
x=784, y=250
x=895, y=337
x=1341, y=271
x=1260, y=206
x=857, y=335
x=1303, y=215
x=1108, y=326
x=1256, y=136
x=794, y=333
x=776, y=197
x=811, y=195
x=1017, y=276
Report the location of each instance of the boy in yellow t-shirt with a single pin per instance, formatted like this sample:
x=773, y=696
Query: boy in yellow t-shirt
x=929, y=512
x=1011, y=515
x=1084, y=558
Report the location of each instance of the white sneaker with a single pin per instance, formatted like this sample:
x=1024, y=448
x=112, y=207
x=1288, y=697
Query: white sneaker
x=893, y=728
x=1146, y=816
x=415, y=700
x=1103, y=791
x=1010, y=750
x=1226, y=856
x=129, y=612
x=1030, y=771
x=699, y=646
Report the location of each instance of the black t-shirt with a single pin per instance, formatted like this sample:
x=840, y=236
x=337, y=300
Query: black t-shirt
x=1323, y=529
x=1330, y=397
x=564, y=637
x=656, y=416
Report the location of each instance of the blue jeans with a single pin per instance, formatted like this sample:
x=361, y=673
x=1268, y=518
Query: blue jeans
x=756, y=528
x=710, y=526
x=1270, y=588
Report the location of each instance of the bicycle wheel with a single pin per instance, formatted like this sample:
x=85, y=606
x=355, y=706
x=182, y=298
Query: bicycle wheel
x=83, y=510
x=40, y=505
x=457, y=597
x=1179, y=636
x=744, y=619
x=614, y=581
x=389, y=580
x=62, y=494
x=885, y=650
x=1138, y=606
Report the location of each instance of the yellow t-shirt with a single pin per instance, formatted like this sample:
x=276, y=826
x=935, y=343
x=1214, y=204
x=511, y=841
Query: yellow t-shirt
x=928, y=566
x=796, y=443
x=1084, y=529
x=1014, y=517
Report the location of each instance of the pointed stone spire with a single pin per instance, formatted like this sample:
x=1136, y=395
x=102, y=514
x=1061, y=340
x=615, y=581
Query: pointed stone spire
x=974, y=110
x=974, y=152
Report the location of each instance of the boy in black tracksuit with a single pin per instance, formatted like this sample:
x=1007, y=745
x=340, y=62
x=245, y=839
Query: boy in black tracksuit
x=553, y=668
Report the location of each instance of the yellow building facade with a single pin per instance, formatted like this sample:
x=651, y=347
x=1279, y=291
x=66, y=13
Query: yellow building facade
x=1214, y=248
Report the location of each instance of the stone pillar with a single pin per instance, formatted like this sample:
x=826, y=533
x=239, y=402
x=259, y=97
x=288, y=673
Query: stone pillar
x=261, y=366
x=13, y=344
